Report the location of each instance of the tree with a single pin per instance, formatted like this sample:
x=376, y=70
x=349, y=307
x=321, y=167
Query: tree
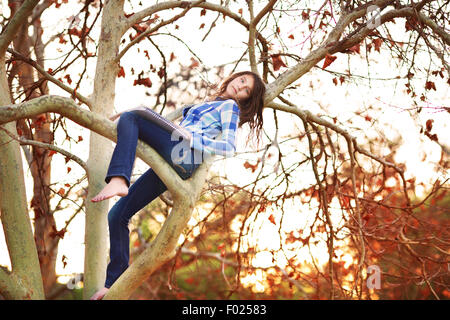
x=344, y=26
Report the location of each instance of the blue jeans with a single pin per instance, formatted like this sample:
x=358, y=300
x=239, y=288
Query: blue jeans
x=149, y=186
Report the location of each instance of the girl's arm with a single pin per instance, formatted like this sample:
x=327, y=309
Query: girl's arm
x=226, y=146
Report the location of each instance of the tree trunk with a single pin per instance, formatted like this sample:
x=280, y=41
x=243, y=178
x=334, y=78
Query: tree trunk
x=14, y=214
x=96, y=232
x=163, y=247
x=40, y=165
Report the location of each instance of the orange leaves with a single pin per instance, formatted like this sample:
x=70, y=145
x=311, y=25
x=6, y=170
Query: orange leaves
x=121, y=73
x=430, y=85
x=377, y=43
x=221, y=248
x=446, y=293
x=248, y=165
x=428, y=127
x=61, y=39
x=161, y=72
x=68, y=79
x=305, y=14
x=438, y=72
x=429, y=124
x=141, y=28
x=368, y=118
x=137, y=243
x=75, y=32
x=191, y=280
x=432, y=136
x=411, y=23
x=291, y=239
x=322, y=25
x=341, y=79
x=194, y=64
x=277, y=62
x=78, y=33
x=329, y=59
x=143, y=81
x=272, y=219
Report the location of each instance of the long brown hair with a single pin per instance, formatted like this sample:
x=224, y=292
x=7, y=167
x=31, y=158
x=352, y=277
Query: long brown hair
x=251, y=108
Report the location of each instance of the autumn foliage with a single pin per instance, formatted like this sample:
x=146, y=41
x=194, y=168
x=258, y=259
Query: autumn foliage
x=312, y=219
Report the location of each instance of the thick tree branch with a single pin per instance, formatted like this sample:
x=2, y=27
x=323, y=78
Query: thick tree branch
x=99, y=124
x=11, y=286
x=252, y=31
x=445, y=36
x=184, y=193
x=15, y=23
x=328, y=46
x=364, y=31
x=139, y=16
x=263, y=12
x=163, y=248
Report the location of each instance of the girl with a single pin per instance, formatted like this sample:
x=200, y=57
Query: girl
x=239, y=100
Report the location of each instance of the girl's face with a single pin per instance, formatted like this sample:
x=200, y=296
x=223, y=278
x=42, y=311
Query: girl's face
x=240, y=88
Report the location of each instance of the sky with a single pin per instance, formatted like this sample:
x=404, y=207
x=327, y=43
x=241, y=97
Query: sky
x=315, y=92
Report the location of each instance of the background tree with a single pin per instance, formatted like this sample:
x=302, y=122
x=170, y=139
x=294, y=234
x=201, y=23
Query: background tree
x=349, y=172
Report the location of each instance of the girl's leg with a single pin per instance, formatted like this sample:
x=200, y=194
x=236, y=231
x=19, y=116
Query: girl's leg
x=143, y=191
x=122, y=160
x=130, y=128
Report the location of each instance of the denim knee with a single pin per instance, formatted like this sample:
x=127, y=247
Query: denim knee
x=116, y=215
x=126, y=116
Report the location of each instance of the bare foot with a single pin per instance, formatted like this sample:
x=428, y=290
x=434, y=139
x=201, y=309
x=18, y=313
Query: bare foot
x=116, y=187
x=99, y=294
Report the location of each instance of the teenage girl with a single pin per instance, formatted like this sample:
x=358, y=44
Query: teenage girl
x=239, y=100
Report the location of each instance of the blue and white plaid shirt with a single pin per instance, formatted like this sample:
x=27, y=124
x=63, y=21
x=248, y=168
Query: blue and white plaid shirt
x=207, y=120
